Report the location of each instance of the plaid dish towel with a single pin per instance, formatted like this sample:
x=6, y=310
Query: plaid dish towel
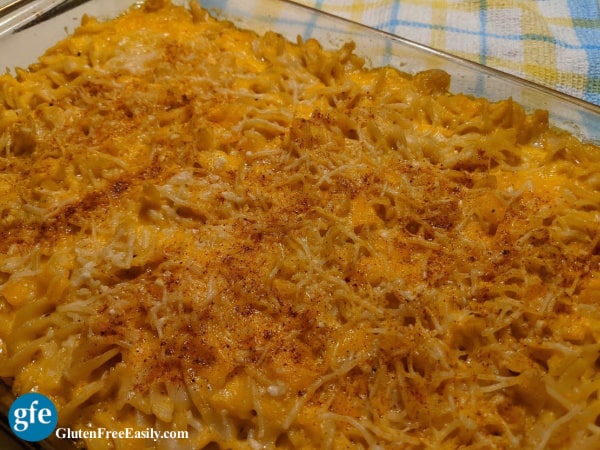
x=555, y=43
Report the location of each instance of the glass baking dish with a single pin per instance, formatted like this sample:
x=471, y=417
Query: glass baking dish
x=28, y=27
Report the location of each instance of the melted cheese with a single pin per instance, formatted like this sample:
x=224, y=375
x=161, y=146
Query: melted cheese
x=270, y=245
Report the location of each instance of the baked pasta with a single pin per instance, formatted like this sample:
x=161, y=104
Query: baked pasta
x=269, y=244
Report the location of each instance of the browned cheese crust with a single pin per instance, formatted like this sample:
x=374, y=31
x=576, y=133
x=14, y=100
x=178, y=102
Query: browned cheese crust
x=271, y=245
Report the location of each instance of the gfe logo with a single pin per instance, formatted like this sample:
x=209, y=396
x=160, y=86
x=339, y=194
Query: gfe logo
x=32, y=417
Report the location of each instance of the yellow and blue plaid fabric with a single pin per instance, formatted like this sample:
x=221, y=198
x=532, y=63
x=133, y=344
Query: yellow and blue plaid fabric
x=555, y=43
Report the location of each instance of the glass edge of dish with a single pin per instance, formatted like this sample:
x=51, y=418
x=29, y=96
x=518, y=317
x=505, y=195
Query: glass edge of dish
x=20, y=13
x=469, y=64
